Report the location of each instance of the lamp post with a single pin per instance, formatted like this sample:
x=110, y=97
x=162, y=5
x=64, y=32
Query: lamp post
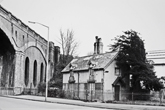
x=47, y=57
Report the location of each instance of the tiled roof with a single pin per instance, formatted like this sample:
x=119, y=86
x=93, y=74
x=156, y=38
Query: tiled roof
x=99, y=61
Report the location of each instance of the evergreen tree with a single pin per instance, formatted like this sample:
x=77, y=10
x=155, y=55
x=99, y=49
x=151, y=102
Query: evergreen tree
x=132, y=61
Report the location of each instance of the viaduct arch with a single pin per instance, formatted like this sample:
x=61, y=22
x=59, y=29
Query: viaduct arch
x=22, y=54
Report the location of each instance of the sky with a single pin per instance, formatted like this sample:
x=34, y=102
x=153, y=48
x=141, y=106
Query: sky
x=89, y=18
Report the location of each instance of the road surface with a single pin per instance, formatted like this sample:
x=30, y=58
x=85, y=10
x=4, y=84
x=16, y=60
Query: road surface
x=18, y=104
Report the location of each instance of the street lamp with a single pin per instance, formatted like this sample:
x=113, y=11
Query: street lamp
x=47, y=58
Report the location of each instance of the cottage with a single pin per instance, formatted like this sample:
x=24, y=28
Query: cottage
x=94, y=77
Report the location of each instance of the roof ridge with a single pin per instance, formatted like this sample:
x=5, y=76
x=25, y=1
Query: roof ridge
x=95, y=54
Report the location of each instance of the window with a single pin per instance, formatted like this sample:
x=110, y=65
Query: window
x=23, y=38
x=45, y=77
x=35, y=73
x=41, y=72
x=117, y=71
x=26, y=78
x=85, y=86
x=16, y=34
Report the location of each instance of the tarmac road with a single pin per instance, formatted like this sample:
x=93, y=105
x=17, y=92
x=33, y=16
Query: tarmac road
x=18, y=104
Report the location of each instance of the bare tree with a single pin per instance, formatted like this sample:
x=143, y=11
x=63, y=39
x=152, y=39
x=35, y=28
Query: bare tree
x=68, y=43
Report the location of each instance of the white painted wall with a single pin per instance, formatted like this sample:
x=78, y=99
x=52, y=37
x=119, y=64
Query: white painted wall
x=109, y=77
x=84, y=76
x=98, y=76
x=66, y=77
x=160, y=70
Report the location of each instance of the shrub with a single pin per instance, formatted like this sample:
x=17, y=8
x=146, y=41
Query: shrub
x=62, y=94
x=41, y=87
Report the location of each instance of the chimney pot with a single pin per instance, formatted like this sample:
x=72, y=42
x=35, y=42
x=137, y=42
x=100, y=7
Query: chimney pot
x=98, y=46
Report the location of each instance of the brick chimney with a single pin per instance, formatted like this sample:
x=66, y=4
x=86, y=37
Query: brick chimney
x=98, y=46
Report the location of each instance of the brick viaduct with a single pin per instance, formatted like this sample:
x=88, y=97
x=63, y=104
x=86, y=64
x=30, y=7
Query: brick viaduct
x=23, y=54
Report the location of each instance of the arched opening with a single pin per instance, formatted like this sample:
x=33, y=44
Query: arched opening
x=45, y=73
x=35, y=73
x=7, y=64
x=26, y=80
x=45, y=76
x=41, y=72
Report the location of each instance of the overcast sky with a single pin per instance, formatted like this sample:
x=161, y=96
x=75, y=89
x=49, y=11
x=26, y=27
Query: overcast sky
x=90, y=18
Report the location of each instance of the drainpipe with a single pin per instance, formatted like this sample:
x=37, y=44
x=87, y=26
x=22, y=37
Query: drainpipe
x=78, y=85
x=103, y=87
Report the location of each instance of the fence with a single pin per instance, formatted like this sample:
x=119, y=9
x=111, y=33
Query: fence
x=111, y=96
x=86, y=95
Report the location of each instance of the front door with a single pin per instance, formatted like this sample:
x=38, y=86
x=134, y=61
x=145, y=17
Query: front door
x=117, y=93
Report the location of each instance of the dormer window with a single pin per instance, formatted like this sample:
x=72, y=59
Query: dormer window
x=91, y=64
x=15, y=33
x=72, y=66
x=71, y=77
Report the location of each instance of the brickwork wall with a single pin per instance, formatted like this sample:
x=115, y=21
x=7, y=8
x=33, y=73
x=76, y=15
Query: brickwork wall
x=34, y=54
x=26, y=43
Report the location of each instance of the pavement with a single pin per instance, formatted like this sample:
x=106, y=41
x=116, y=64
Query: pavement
x=87, y=104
